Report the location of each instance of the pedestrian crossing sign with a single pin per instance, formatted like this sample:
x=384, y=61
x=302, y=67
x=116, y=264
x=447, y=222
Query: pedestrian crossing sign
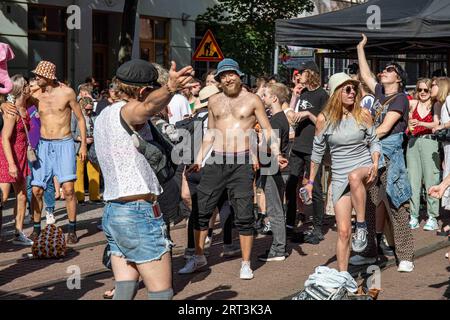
x=208, y=50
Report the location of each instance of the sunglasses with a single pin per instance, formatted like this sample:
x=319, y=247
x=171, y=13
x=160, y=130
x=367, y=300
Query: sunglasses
x=349, y=88
x=391, y=69
x=423, y=90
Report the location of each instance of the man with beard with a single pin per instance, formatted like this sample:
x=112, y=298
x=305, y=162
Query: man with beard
x=231, y=117
x=56, y=149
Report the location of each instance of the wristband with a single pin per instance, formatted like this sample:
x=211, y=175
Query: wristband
x=310, y=182
x=170, y=91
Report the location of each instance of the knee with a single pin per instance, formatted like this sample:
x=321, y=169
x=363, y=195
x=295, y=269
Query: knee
x=353, y=179
x=344, y=234
x=21, y=197
x=69, y=192
x=38, y=192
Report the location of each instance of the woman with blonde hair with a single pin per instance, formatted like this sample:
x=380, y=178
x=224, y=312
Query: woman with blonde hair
x=13, y=155
x=348, y=130
x=422, y=156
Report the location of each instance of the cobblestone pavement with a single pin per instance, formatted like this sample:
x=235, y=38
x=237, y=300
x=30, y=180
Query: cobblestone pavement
x=22, y=277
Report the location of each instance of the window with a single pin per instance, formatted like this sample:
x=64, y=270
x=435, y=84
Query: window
x=47, y=37
x=154, y=40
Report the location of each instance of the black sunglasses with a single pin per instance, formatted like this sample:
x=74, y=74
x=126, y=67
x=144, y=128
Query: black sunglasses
x=424, y=90
x=391, y=69
x=348, y=89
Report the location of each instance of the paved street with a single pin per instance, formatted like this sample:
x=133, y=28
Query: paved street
x=21, y=277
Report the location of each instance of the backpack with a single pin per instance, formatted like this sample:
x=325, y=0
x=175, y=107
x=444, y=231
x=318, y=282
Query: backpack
x=51, y=243
x=194, y=127
x=157, y=152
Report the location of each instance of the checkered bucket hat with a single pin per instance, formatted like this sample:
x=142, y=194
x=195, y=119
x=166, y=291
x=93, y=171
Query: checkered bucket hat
x=46, y=69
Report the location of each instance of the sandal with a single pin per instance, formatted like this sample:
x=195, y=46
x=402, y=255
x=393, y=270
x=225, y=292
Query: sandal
x=110, y=295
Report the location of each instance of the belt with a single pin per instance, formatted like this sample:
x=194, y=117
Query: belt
x=425, y=136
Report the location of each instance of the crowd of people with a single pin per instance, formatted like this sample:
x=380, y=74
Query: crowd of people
x=253, y=151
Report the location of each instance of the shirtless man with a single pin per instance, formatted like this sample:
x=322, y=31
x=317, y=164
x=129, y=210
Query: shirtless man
x=56, y=150
x=231, y=114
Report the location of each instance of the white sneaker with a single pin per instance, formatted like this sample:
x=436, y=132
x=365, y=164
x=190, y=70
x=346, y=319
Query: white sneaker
x=208, y=242
x=431, y=225
x=22, y=240
x=360, y=260
x=414, y=223
x=49, y=217
x=405, y=266
x=246, y=271
x=193, y=264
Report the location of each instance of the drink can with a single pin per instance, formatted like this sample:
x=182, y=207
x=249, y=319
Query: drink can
x=303, y=194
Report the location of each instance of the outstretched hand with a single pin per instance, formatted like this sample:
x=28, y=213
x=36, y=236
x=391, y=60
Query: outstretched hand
x=179, y=79
x=363, y=42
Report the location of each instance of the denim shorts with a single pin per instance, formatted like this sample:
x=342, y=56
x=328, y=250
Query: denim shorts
x=133, y=232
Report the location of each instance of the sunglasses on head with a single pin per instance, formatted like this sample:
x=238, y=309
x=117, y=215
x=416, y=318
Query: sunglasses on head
x=348, y=89
x=423, y=90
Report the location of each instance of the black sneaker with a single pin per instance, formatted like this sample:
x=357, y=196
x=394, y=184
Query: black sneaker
x=311, y=237
x=269, y=256
x=385, y=250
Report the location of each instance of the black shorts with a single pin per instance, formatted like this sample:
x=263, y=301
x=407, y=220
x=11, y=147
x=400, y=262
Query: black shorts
x=238, y=180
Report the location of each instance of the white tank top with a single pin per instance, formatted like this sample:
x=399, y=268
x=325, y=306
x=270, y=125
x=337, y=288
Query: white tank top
x=126, y=171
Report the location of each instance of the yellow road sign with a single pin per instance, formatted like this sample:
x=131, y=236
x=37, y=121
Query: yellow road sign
x=208, y=50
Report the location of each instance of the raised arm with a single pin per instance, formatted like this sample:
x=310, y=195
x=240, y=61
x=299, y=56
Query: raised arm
x=364, y=68
x=135, y=113
x=76, y=109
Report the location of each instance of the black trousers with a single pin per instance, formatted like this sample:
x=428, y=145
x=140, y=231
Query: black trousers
x=299, y=163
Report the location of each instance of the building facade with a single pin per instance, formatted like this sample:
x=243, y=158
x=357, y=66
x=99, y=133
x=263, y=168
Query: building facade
x=38, y=30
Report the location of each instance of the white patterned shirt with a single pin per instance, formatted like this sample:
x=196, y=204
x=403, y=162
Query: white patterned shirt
x=126, y=171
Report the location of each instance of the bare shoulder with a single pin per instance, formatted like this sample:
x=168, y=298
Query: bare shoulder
x=67, y=91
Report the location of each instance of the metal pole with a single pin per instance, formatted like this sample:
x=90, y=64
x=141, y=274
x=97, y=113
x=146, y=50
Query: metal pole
x=275, y=58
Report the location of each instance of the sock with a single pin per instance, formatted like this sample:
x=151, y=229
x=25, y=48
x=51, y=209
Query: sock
x=161, y=295
x=210, y=232
x=125, y=290
x=361, y=225
x=72, y=226
x=37, y=227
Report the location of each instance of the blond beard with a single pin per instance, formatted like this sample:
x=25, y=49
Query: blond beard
x=234, y=91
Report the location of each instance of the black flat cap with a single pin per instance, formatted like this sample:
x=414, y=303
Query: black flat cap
x=309, y=65
x=137, y=72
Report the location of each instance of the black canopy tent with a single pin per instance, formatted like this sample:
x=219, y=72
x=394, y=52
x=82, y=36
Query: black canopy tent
x=407, y=27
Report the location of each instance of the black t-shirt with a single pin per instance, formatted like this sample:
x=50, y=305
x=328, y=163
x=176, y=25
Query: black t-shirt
x=314, y=102
x=399, y=104
x=280, y=122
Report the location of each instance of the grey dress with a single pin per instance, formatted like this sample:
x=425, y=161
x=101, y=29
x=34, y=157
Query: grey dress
x=351, y=147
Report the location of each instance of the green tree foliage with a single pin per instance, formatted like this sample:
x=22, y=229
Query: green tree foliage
x=246, y=29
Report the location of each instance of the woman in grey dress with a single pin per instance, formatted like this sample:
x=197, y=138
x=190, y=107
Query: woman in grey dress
x=348, y=131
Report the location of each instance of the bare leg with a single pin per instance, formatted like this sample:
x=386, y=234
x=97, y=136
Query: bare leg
x=246, y=247
x=185, y=192
x=38, y=203
x=157, y=275
x=358, y=191
x=343, y=210
x=124, y=273
x=20, y=189
x=57, y=188
x=200, y=237
x=71, y=200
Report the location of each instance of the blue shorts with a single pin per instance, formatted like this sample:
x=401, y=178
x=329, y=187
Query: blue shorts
x=55, y=158
x=133, y=232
